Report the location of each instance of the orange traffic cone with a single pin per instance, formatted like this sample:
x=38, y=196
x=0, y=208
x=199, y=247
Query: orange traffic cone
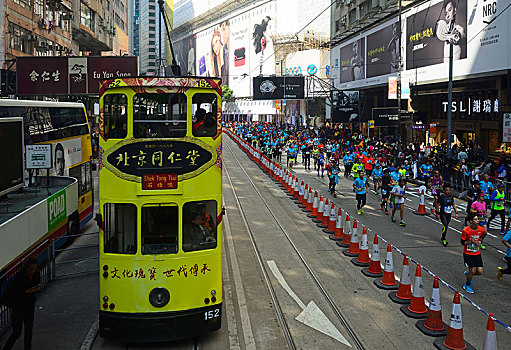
x=490, y=338
x=285, y=180
x=374, y=269
x=331, y=221
x=339, y=232
x=304, y=193
x=310, y=199
x=282, y=175
x=296, y=192
x=363, y=256
x=314, y=211
x=354, y=249
x=326, y=216
x=433, y=325
x=417, y=307
x=292, y=185
x=321, y=209
x=404, y=293
x=388, y=281
x=346, y=237
x=454, y=339
x=422, y=206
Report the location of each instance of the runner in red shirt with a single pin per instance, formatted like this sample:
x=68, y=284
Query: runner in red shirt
x=368, y=164
x=471, y=241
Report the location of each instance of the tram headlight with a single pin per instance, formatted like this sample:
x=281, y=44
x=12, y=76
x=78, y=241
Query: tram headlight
x=213, y=292
x=159, y=297
x=105, y=298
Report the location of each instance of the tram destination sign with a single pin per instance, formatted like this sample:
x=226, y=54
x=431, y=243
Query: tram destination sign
x=70, y=75
x=160, y=163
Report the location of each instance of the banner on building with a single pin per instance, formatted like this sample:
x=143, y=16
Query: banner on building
x=405, y=88
x=278, y=88
x=506, y=127
x=50, y=76
x=345, y=107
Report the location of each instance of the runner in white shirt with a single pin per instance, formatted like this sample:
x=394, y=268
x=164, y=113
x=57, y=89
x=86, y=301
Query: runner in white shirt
x=399, y=200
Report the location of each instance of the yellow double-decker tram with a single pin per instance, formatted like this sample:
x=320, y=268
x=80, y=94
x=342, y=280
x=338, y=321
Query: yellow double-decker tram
x=160, y=193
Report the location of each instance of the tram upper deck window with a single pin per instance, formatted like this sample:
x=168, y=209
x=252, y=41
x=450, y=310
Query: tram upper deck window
x=160, y=226
x=120, y=228
x=115, y=118
x=204, y=110
x=159, y=115
x=199, y=228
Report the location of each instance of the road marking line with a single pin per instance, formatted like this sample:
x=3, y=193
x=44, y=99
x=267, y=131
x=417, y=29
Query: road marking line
x=240, y=291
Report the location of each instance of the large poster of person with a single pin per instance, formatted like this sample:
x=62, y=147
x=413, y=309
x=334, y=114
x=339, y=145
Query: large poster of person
x=261, y=29
x=352, y=63
x=185, y=55
x=430, y=32
x=213, y=52
x=383, y=51
x=345, y=107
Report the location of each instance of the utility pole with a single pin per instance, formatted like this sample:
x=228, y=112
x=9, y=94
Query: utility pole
x=399, y=74
x=449, y=100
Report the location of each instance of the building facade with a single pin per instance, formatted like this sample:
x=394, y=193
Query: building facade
x=365, y=60
x=240, y=39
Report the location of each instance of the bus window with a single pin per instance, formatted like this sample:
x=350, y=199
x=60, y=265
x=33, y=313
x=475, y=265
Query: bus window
x=204, y=111
x=120, y=228
x=199, y=228
x=160, y=226
x=159, y=115
x=83, y=174
x=115, y=116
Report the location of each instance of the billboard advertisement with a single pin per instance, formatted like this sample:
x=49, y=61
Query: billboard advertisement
x=185, y=55
x=11, y=142
x=383, y=51
x=352, y=62
x=430, y=31
x=345, y=107
x=278, y=88
x=70, y=75
x=478, y=30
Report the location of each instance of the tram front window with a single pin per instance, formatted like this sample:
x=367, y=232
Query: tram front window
x=160, y=225
x=120, y=228
x=115, y=117
x=159, y=115
x=199, y=228
x=204, y=109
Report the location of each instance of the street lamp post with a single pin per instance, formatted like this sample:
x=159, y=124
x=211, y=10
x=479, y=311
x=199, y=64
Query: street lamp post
x=399, y=75
x=449, y=100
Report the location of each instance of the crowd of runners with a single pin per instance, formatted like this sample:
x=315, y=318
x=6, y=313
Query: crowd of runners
x=334, y=151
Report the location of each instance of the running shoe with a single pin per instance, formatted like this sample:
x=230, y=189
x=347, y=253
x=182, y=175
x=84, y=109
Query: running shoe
x=472, y=281
x=386, y=212
x=502, y=232
x=499, y=273
x=382, y=206
x=402, y=223
x=393, y=219
x=483, y=247
x=468, y=289
x=361, y=210
x=377, y=192
x=444, y=242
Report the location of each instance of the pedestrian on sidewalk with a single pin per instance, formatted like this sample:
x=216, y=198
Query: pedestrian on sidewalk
x=506, y=240
x=471, y=242
x=360, y=187
x=399, y=201
x=20, y=296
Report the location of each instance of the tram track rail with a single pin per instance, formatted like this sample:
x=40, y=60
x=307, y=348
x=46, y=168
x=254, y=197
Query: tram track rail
x=301, y=257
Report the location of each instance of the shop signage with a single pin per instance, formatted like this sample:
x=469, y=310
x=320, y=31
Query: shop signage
x=345, y=107
x=432, y=129
x=277, y=88
x=473, y=106
x=38, y=156
x=506, y=127
x=69, y=75
x=418, y=126
x=405, y=88
x=387, y=116
x=56, y=208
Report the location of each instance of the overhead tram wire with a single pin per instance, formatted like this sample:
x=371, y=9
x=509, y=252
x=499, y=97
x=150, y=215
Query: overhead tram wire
x=318, y=283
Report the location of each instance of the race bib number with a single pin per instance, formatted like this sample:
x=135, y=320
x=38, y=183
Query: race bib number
x=500, y=203
x=448, y=209
x=383, y=191
x=472, y=247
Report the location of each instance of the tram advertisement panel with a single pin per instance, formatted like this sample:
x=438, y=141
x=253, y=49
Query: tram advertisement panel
x=133, y=160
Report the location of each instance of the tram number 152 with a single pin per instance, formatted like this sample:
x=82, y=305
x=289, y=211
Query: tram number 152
x=208, y=315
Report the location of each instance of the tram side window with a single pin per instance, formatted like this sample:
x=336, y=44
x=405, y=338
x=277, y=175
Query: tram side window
x=120, y=228
x=204, y=111
x=199, y=228
x=160, y=226
x=159, y=115
x=115, y=116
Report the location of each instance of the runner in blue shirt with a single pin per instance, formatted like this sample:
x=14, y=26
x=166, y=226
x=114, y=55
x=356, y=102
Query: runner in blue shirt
x=377, y=173
x=506, y=240
x=360, y=186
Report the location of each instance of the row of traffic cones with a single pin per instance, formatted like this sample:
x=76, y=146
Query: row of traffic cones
x=324, y=215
